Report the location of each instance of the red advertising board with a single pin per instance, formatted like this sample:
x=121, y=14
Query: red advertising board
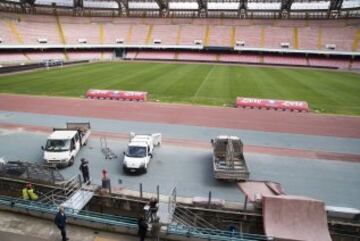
x=272, y=104
x=117, y=95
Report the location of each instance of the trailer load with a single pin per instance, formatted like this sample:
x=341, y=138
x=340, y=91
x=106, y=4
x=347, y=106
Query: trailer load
x=228, y=159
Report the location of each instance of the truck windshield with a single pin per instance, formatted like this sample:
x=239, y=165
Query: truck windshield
x=57, y=145
x=136, y=151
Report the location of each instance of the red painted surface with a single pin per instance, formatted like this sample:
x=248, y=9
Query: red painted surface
x=295, y=218
x=288, y=122
x=275, y=151
x=269, y=104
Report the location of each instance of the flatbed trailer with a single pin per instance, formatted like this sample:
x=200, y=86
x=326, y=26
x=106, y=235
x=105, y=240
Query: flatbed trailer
x=228, y=159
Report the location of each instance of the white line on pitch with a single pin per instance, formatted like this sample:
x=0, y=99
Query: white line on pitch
x=204, y=81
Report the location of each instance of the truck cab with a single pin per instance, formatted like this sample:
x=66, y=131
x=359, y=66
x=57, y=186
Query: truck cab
x=61, y=148
x=63, y=145
x=139, y=152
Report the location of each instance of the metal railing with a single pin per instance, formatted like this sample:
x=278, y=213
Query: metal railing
x=78, y=214
x=128, y=222
x=187, y=217
x=211, y=234
x=62, y=193
x=182, y=215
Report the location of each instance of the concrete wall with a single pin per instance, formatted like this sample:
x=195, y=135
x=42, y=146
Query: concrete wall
x=248, y=222
x=116, y=205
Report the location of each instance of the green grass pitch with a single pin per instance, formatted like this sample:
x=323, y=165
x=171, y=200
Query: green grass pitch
x=326, y=91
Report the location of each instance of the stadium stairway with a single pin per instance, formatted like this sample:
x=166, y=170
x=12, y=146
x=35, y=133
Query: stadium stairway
x=101, y=33
x=356, y=40
x=101, y=38
x=296, y=38
x=61, y=32
x=262, y=37
x=14, y=31
x=232, y=36
x=178, y=35
x=319, y=40
x=207, y=35
x=149, y=35
x=129, y=34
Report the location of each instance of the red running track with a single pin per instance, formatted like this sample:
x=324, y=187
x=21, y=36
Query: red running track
x=260, y=120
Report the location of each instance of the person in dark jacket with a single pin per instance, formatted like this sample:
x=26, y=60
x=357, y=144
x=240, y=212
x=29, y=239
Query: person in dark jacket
x=60, y=221
x=154, y=206
x=143, y=227
x=84, y=168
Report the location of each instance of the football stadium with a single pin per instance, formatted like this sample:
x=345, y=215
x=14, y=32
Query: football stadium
x=228, y=120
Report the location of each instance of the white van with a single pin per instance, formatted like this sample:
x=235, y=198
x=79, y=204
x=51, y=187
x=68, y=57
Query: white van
x=140, y=151
x=63, y=145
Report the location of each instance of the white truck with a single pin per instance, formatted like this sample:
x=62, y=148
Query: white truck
x=228, y=159
x=140, y=151
x=64, y=144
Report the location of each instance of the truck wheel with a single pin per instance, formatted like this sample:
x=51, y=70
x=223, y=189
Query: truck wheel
x=145, y=169
x=125, y=169
x=71, y=161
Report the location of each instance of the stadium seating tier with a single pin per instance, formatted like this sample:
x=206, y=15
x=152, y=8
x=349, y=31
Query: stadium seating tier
x=310, y=35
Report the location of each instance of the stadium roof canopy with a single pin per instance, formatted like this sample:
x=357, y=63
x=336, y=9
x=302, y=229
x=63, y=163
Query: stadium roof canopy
x=203, y=8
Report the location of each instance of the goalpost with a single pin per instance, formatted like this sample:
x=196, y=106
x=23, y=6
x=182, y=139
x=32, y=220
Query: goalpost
x=53, y=63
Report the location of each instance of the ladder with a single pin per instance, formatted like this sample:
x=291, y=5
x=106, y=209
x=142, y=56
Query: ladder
x=229, y=157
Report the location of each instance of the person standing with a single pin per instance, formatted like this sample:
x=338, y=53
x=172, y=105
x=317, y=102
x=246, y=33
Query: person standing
x=84, y=168
x=155, y=229
x=25, y=194
x=232, y=230
x=154, y=206
x=60, y=221
x=142, y=228
x=28, y=193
